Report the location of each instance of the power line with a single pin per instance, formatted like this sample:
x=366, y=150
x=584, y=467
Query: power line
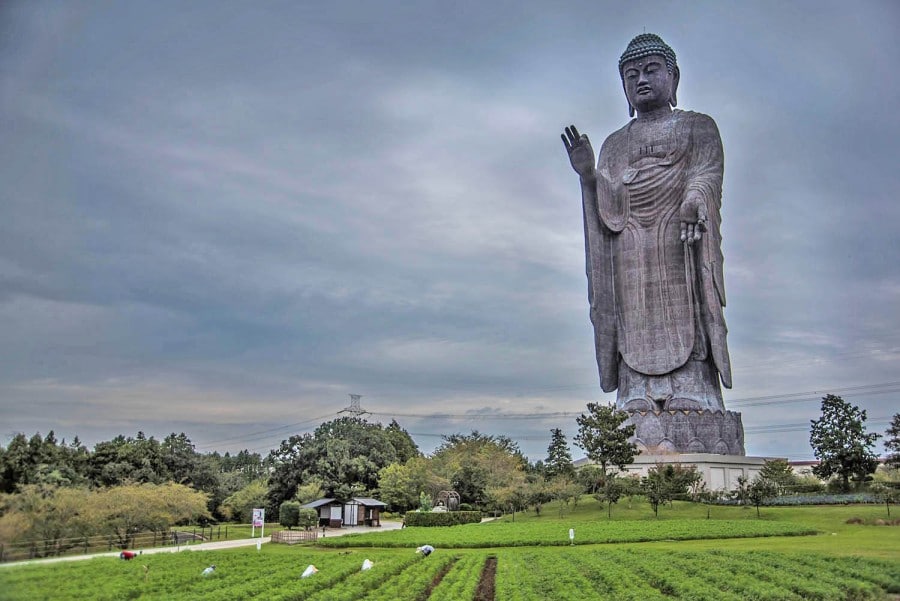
x=263, y=433
x=784, y=398
x=775, y=398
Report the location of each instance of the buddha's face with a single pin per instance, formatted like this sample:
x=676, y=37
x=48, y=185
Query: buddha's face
x=648, y=83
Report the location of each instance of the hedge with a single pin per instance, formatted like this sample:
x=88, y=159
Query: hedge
x=442, y=518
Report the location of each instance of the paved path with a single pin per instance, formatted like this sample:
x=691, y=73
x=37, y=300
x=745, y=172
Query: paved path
x=207, y=546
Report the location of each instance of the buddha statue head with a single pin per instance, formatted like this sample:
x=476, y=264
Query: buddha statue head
x=649, y=74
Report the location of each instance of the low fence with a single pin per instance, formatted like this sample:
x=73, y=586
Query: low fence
x=292, y=537
x=32, y=549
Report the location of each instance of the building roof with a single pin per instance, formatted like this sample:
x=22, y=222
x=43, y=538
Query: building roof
x=319, y=503
x=368, y=502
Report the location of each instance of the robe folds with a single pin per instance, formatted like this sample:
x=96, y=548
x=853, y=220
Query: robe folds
x=655, y=301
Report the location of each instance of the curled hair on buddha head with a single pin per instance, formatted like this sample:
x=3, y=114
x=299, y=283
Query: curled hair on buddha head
x=648, y=44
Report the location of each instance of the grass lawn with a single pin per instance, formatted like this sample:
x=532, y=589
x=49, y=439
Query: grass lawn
x=836, y=536
x=840, y=563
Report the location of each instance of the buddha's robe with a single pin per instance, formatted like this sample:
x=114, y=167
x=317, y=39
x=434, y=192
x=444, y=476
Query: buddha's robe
x=657, y=302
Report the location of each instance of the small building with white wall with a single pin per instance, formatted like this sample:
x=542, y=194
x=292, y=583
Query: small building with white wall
x=718, y=472
x=358, y=511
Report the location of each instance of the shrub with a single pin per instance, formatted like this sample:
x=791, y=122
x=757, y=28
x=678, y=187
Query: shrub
x=309, y=518
x=448, y=518
x=289, y=514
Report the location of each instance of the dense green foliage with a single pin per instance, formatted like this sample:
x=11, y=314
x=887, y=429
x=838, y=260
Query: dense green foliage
x=892, y=442
x=50, y=464
x=665, y=482
x=51, y=520
x=604, y=438
x=432, y=519
x=289, y=514
x=780, y=472
x=343, y=457
x=841, y=444
x=308, y=518
x=559, y=458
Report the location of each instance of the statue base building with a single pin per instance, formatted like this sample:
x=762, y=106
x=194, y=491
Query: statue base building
x=688, y=431
x=719, y=473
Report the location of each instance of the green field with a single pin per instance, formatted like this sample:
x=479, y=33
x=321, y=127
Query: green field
x=840, y=562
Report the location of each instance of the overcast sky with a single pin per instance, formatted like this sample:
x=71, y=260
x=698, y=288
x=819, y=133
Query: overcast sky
x=223, y=218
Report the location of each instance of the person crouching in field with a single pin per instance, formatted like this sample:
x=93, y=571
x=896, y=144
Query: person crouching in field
x=127, y=555
x=425, y=550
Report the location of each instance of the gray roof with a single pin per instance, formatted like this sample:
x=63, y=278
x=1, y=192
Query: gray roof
x=360, y=500
x=369, y=502
x=319, y=503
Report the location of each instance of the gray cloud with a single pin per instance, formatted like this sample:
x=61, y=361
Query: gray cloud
x=222, y=219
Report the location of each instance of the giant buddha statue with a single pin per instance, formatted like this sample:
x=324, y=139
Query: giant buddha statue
x=651, y=207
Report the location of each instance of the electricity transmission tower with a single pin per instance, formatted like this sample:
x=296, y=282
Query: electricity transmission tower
x=354, y=409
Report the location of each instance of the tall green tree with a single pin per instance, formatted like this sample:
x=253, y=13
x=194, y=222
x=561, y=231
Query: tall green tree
x=841, y=444
x=779, y=472
x=604, y=437
x=559, y=459
x=474, y=463
x=403, y=444
x=122, y=459
x=41, y=460
x=240, y=505
x=343, y=456
x=892, y=442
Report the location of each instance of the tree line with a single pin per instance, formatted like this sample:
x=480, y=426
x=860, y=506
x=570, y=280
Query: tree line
x=41, y=476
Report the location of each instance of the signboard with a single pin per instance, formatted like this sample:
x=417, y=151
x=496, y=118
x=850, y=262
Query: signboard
x=259, y=519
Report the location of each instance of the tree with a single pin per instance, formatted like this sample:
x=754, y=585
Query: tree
x=742, y=490
x=604, y=438
x=473, y=463
x=779, y=472
x=289, y=514
x=240, y=505
x=559, y=459
x=309, y=492
x=656, y=489
x=343, y=455
x=471, y=481
x=539, y=492
x=590, y=477
x=610, y=492
x=841, y=444
x=125, y=510
x=513, y=497
x=665, y=481
x=892, y=442
x=309, y=518
x=403, y=444
x=565, y=492
x=761, y=490
x=886, y=494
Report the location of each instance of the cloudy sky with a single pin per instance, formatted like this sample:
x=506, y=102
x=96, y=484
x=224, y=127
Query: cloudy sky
x=223, y=218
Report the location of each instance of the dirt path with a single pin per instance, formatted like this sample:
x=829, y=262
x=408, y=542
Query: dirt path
x=208, y=546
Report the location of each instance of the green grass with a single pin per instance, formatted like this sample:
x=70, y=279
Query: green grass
x=841, y=563
x=556, y=533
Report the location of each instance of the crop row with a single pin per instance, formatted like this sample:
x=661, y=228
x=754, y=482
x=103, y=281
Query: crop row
x=523, y=574
x=507, y=534
x=624, y=575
